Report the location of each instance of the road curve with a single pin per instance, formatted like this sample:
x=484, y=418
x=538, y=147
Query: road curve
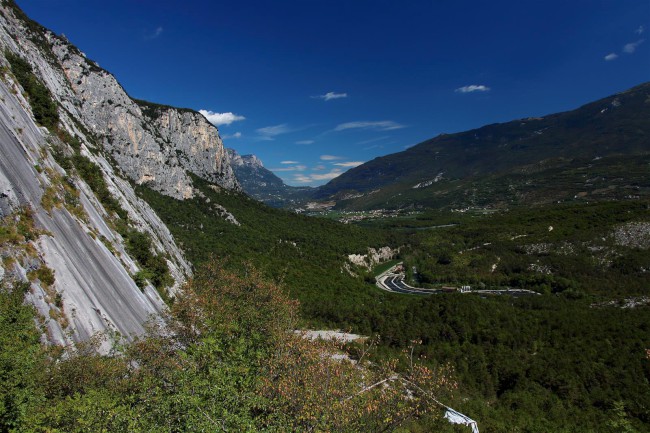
x=394, y=283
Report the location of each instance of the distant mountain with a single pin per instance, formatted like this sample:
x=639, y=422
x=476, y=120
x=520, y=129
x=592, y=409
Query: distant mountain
x=261, y=184
x=601, y=149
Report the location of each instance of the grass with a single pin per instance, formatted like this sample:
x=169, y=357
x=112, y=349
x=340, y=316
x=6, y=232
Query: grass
x=383, y=267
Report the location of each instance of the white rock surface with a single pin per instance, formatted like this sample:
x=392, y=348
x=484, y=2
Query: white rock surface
x=343, y=337
x=97, y=290
x=244, y=160
x=633, y=235
x=152, y=144
x=373, y=257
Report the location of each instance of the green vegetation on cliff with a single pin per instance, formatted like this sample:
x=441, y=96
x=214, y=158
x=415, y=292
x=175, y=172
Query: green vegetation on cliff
x=308, y=255
x=43, y=106
x=227, y=360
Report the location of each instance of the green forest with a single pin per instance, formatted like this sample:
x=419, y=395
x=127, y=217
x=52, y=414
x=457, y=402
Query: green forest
x=570, y=359
x=224, y=360
x=574, y=358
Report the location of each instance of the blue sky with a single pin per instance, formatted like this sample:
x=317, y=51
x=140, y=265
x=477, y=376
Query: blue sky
x=314, y=87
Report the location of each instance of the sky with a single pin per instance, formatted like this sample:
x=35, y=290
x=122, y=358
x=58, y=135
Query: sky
x=315, y=87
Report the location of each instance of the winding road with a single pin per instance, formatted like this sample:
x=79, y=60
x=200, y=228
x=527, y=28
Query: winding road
x=394, y=282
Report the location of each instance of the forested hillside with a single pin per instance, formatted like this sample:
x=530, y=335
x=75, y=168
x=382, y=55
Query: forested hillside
x=569, y=360
x=306, y=254
x=526, y=161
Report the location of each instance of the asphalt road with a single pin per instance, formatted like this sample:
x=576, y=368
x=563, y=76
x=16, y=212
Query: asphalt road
x=395, y=283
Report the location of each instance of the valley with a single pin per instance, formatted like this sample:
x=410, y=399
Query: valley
x=153, y=280
x=501, y=347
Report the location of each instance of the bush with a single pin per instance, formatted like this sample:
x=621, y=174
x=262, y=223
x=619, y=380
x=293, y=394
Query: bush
x=154, y=267
x=22, y=360
x=43, y=106
x=45, y=275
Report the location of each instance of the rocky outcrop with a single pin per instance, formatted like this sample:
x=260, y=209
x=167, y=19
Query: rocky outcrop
x=633, y=235
x=80, y=274
x=254, y=178
x=152, y=144
x=373, y=257
x=252, y=162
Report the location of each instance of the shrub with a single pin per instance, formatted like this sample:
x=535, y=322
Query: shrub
x=43, y=106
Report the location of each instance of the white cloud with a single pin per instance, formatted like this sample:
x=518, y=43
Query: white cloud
x=632, y=46
x=319, y=167
x=316, y=177
x=218, y=119
x=330, y=158
x=640, y=30
x=473, y=88
x=293, y=168
x=156, y=33
x=228, y=136
x=331, y=95
x=382, y=125
x=611, y=56
x=349, y=163
x=305, y=142
x=270, y=132
x=289, y=162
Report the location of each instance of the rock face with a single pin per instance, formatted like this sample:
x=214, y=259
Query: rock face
x=373, y=257
x=251, y=162
x=151, y=143
x=75, y=238
x=94, y=286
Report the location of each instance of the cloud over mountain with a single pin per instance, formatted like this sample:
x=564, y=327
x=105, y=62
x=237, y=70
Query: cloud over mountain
x=218, y=119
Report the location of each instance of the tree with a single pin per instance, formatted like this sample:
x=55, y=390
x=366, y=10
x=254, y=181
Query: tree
x=22, y=359
x=296, y=384
x=225, y=358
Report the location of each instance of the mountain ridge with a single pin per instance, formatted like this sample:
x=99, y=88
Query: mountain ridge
x=614, y=125
x=262, y=184
x=95, y=257
x=152, y=143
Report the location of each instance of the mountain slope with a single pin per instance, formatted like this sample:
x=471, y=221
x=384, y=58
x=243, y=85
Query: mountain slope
x=95, y=287
x=151, y=143
x=262, y=184
x=71, y=226
x=618, y=125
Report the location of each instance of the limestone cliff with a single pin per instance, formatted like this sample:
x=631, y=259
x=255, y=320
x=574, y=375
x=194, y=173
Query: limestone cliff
x=151, y=143
x=62, y=237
